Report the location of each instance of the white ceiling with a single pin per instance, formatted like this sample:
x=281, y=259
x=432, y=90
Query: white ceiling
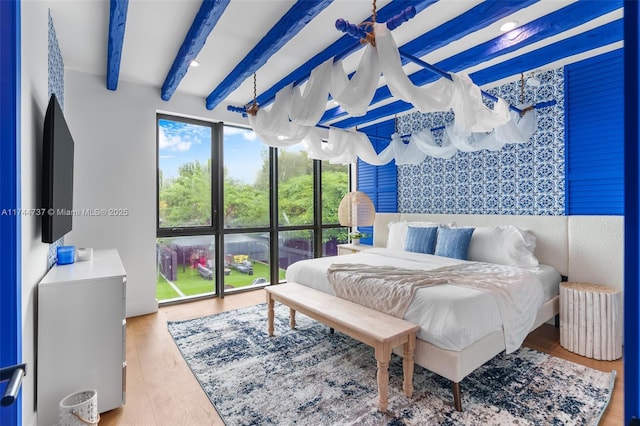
x=155, y=30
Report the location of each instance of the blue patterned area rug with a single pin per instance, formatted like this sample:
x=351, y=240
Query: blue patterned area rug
x=307, y=376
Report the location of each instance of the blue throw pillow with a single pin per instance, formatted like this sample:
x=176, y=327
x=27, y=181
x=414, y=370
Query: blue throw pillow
x=421, y=240
x=453, y=242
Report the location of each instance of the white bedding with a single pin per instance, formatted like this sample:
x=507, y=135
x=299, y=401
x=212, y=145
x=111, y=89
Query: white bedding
x=449, y=316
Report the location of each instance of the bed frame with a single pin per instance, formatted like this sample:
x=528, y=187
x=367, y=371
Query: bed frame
x=551, y=248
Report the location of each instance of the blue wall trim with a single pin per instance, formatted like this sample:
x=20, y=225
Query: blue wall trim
x=206, y=18
x=595, y=135
x=10, y=284
x=284, y=30
x=117, y=24
x=631, y=214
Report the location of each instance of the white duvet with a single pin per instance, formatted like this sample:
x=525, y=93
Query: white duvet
x=450, y=317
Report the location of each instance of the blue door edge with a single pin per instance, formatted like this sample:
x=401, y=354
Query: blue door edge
x=10, y=261
x=631, y=213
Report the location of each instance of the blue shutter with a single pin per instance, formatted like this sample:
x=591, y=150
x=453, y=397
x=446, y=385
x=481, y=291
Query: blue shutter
x=594, y=139
x=379, y=182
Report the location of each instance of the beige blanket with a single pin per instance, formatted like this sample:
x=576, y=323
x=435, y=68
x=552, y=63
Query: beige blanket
x=389, y=289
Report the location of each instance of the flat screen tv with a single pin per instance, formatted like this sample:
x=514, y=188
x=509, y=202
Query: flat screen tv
x=57, y=174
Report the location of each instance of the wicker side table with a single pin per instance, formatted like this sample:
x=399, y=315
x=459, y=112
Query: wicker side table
x=591, y=320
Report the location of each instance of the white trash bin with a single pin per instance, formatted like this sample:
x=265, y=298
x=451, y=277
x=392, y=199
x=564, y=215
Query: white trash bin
x=79, y=409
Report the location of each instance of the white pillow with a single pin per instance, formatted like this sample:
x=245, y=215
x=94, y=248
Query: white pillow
x=505, y=245
x=398, y=232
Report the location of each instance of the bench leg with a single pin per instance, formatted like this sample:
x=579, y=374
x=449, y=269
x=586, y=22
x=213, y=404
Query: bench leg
x=407, y=365
x=292, y=318
x=383, y=355
x=270, y=314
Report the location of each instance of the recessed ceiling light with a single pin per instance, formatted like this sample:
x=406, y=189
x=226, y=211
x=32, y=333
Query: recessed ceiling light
x=508, y=26
x=194, y=63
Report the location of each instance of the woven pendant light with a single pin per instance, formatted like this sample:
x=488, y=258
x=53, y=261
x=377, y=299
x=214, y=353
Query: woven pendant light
x=356, y=209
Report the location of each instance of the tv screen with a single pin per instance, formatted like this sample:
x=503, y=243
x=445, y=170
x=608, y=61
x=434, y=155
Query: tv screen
x=57, y=174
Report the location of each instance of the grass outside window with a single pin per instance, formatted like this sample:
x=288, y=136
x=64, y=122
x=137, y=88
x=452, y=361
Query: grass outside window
x=190, y=283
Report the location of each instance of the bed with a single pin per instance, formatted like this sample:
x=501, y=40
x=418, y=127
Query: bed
x=461, y=328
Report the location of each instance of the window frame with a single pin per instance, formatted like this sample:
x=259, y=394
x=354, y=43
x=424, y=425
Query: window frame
x=216, y=153
x=217, y=228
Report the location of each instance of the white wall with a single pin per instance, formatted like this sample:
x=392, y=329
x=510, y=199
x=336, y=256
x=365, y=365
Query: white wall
x=115, y=167
x=34, y=99
x=596, y=245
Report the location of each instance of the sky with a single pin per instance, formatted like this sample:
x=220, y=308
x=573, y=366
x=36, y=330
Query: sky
x=181, y=143
x=242, y=153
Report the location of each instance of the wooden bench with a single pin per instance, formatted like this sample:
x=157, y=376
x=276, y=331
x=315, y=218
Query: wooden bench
x=381, y=331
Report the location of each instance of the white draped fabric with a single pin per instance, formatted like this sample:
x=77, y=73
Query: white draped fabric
x=273, y=124
x=307, y=108
x=355, y=95
x=423, y=143
x=292, y=117
x=345, y=147
x=516, y=130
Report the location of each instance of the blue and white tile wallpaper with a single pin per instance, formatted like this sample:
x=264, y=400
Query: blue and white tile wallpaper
x=56, y=65
x=56, y=85
x=524, y=179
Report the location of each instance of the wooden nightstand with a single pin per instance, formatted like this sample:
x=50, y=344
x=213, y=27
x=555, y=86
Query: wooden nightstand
x=351, y=248
x=591, y=320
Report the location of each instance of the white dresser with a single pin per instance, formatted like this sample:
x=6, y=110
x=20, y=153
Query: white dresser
x=81, y=333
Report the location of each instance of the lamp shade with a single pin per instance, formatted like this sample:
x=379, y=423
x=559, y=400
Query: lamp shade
x=356, y=209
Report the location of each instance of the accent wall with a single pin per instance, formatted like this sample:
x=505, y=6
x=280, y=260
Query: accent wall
x=519, y=179
x=572, y=165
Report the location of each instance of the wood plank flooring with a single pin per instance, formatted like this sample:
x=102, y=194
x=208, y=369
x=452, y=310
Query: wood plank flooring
x=161, y=390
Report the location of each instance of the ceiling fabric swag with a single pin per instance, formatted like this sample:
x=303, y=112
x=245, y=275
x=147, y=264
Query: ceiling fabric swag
x=307, y=108
x=517, y=130
x=423, y=143
x=345, y=147
x=354, y=95
x=296, y=111
x=273, y=124
x=420, y=145
x=461, y=94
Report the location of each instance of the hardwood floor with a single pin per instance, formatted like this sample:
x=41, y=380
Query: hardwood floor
x=161, y=390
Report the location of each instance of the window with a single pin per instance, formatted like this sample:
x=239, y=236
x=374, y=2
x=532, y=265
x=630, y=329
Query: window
x=276, y=207
x=295, y=187
x=335, y=185
x=184, y=174
x=246, y=179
